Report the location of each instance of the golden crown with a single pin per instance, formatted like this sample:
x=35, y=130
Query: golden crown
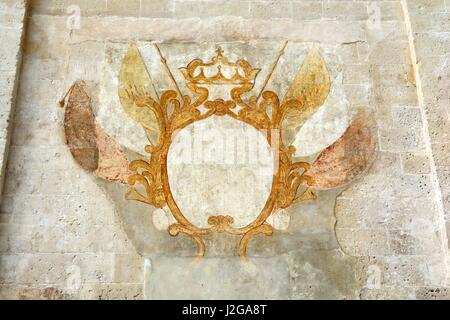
x=220, y=71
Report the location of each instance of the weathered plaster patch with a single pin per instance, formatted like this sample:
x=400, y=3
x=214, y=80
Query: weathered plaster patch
x=348, y=158
x=112, y=161
x=91, y=148
x=79, y=125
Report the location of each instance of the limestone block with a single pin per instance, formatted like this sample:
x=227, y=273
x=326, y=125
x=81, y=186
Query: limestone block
x=184, y=278
x=365, y=213
x=441, y=154
x=11, y=38
x=390, y=186
x=223, y=28
x=36, y=293
x=128, y=268
x=269, y=9
x=446, y=200
x=415, y=163
x=36, y=69
x=392, y=74
x=426, y=6
x=36, y=133
x=323, y=275
x=5, y=218
x=437, y=91
x=390, y=96
x=433, y=293
x=417, y=214
x=48, y=43
x=439, y=125
x=55, y=157
x=18, y=5
x=34, y=210
x=435, y=22
x=100, y=238
x=7, y=85
x=389, y=52
x=13, y=19
x=94, y=268
x=355, y=52
x=5, y=124
x=401, y=140
x=346, y=241
x=8, y=267
x=385, y=162
x=356, y=74
x=204, y=9
x=388, y=293
x=47, y=239
x=86, y=69
x=416, y=242
x=347, y=214
x=156, y=8
x=447, y=225
x=357, y=95
x=345, y=10
x=62, y=7
x=407, y=117
x=307, y=10
x=42, y=269
x=369, y=242
x=16, y=238
x=404, y=271
x=412, y=185
x=389, y=10
x=443, y=174
x=435, y=267
x=26, y=186
x=110, y=292
x=432, y=44
x=35, y=92
x=122, y=8
x=392, y=31
x=95, y=212
x=4, y=154
x=10, y=56
x=8, y=292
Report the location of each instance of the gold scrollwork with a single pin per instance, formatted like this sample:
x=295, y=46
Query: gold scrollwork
x=150, y=183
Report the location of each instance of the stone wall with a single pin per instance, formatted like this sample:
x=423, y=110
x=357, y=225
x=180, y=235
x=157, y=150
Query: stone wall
x=12, y=30
x=59, y=241
x=431, y=48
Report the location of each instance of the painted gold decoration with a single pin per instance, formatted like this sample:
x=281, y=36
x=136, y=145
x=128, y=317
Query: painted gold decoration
x=195, y=71
x=134, y=75
x=149, y=182
x=308, y=91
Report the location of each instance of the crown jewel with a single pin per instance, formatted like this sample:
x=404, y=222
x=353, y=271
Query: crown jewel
x=220, y=71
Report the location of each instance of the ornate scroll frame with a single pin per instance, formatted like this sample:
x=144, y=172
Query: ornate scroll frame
x=175, y=112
